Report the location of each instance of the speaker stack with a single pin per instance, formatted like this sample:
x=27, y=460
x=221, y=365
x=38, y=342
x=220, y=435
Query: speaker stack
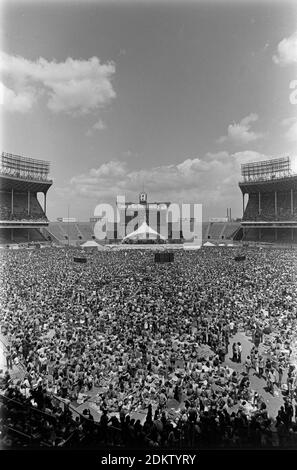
x=164, y=257
x=77, y=259
x=240, y=258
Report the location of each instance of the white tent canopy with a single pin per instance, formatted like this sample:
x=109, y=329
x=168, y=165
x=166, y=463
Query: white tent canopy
x=90, y=244
x=208, y=244
x=190, y=246
x=101, y=247
x=142, y=232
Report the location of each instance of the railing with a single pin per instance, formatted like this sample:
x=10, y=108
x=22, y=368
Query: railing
x=109, y=434
x=29, y=414
x=264, y=178
x=29, y=220
x=24, y=175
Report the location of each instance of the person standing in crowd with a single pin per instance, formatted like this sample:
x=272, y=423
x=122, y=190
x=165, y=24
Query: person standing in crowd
x=261, y=365
x=257, y=365
x=280, y=375
x=9, y=363
x=248, y=364
x=272, y=380
x=239, y=349
x=235, y=352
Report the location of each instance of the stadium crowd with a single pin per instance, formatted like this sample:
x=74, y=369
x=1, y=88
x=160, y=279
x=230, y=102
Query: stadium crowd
x=150, y=339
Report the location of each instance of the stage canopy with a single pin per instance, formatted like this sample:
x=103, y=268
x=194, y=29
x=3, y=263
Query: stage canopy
x=190, y=246
x=144, y=232
x=90, y=244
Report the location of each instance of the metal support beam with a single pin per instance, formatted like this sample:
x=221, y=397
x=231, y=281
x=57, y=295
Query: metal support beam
x=243, y=208
x=275, y=203
x=29, y=195
x=12, y=201
x=259, y=208
x=292, y=202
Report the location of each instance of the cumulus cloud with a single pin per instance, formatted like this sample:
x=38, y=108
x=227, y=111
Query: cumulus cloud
x=98, y=126
x=286, y=51
x=291, y=132
x=74, y=86
x=209, y=179
x=241, y=133
x=20, y=101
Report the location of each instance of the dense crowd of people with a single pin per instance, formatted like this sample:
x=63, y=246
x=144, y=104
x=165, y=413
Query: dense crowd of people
x=151, y=340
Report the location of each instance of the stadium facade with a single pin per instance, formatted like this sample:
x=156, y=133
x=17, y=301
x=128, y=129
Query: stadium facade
x=21, y=214
x=269, y=205
x=270, y=214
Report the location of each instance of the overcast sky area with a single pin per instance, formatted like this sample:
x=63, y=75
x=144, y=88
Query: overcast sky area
x=169, y=96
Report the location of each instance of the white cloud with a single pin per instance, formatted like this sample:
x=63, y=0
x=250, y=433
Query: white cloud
x=74, y=86
x=291, y=132
x=20, y=101
x=98, y=126
x=210, y=179
x=286, y=51
x=110, y=170
x=240, y=133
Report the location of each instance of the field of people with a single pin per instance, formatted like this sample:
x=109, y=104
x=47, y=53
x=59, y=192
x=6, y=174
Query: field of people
x=128, y=352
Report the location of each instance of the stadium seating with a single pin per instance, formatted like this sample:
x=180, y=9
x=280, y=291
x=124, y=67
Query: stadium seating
x=20, y=235
x=5, y=206
x=267, y=212
x=230, y=229
x=267, y=207
x=82, y=231
x=55, y=229
x=86, y=229
x=252, y=209
x=204, y=230
x=284, y=205
x=251, y=234
x=20, y=208
x=76, y=232
x=71, y=231
x=215, y=230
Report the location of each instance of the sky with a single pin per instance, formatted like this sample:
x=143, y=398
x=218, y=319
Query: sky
x=170, y=97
